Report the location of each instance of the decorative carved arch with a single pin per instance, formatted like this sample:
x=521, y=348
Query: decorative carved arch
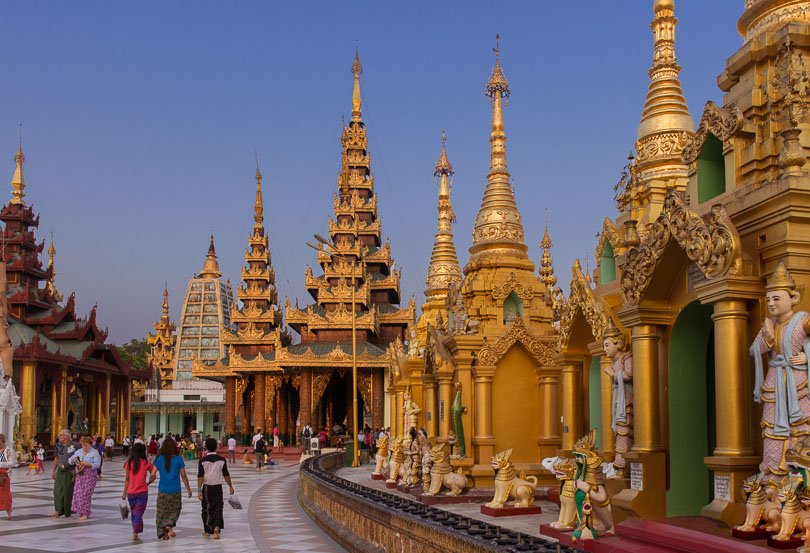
x=540, y=350
x=581, y=298
x=713, y=245
x=525, y=293
x=609, y=235
x=721, y=122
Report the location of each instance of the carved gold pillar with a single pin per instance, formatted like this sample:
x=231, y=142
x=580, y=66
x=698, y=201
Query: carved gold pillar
x=230, y=405
x=64, y=399
x=431, y=405
x=733, y=459
x=259, y=408
x=28, y=399
x=572, y=400
x=646, y=461
x=444, y=401
x=54, y=406
x=127, y=391
x=391, y=391
x=606, y=399
x=550, y=422
x=398, y=422
x=483, y=440
x=377, y=398
x=105, y=406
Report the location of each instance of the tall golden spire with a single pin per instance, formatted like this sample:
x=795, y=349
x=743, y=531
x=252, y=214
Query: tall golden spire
x=357, y=69
x=444, y=269
x=498, y=228
x=18, y=180
x=547, y=275
x=211, y=266
x=51, y=271
x=258, y=207
x=164, y=316
x=665, y=109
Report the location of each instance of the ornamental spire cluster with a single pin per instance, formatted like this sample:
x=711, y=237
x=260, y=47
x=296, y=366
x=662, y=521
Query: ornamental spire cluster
x=547, y=275
x=665, y=109
x=498, y=228
x=51, y=272
x=444, y=270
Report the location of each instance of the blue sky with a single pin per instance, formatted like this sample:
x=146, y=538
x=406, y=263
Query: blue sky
x=140, y=122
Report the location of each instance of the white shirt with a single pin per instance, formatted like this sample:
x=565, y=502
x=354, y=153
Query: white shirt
x=125, y=442
x=232, y=444
x=138, y=441
x=160, y=442
x=256, y=438
x=109, y=442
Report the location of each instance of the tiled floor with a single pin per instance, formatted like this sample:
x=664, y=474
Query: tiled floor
x=276, y=523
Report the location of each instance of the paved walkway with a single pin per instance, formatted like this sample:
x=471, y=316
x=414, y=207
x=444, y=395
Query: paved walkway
x=270, y=521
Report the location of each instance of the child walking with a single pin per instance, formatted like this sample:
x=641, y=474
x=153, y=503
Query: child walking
x=212, y=472
x=136, y=490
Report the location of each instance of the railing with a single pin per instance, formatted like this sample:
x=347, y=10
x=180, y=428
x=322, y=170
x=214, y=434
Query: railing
x=470, y=534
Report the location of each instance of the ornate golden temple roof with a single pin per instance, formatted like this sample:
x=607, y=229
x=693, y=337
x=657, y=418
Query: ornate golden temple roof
x=498, y=228
x=18, y=180
x=764, y=15
x=444, y=269
x=666, y=117
x=211, y=266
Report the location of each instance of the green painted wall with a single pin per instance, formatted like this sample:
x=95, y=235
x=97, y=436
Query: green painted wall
x=512, y=306
x=711, y=170
x=607, y=264
x=691, y=410
x=595, y=400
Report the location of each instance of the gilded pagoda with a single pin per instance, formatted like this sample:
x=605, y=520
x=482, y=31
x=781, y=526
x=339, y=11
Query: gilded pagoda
x=485, y=343
x=66, y=374
x=704, y=216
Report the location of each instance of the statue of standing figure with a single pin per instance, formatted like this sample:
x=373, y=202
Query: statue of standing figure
x=784, y=389
x=410, y=410
x=621, y=379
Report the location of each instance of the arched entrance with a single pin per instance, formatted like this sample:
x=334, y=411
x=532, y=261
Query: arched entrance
x=516, y=405
x=334, y=407
x=691, y=410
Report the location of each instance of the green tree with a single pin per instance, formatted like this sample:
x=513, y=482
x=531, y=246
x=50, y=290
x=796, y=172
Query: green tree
x=135, y=352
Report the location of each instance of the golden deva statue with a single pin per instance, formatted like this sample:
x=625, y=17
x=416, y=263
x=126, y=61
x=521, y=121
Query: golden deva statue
x=783, y=390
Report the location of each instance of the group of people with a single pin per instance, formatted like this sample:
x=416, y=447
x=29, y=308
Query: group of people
x=76, y=470
x=367, y=438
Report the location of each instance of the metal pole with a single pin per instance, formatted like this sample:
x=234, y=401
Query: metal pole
x=356, y=460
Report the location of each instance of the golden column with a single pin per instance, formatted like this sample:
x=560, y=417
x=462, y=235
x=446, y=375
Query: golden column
x=28, y=399
x=445, y=400
x=105, y=405
x=572, y=401
x=606, y=404
x=733, y=459
x=483, y=438
x=55, y=393
x=259, y=409
x=647, y=419
x=431, y=405
x=230, y=404
x=550, y=422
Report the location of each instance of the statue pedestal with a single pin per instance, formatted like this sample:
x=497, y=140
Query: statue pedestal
x=558, y=534
x=510, y=511
x=757, y=534
x=391, y=485
x=647, y=495
x=792, y=543
x=380, y=476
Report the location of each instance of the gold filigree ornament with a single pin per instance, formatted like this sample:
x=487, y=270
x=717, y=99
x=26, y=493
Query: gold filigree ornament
x=581, y=298
x=541, y=350
x=713, y=245
x=721, y=122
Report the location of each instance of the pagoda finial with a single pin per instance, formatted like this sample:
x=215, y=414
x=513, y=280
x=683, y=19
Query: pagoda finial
x=498, y=228
x=51, y=270
x=665, y=109
x=444, y=270
x=357, y=70
x=547, y=275
x=211, y=265
x=18, y=180
x=258, y=207
x=164, y=317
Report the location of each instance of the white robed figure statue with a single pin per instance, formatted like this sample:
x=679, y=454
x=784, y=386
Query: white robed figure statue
x=783, y=390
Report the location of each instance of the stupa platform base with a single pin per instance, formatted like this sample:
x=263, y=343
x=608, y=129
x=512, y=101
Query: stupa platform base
x=446, y=499
x=510, y=511
x=379, y=476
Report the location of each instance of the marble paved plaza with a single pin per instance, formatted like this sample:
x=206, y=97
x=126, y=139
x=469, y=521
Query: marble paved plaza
x=270, y=521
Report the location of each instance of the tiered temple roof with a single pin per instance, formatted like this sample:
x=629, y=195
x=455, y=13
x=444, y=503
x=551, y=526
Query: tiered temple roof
x=360, y=260
x=162, y=345
x=42, y=329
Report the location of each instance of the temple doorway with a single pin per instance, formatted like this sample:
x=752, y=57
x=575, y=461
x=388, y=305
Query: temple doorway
x=516, y=406
x=335, y=406
x=44, y=411
x=691, y=410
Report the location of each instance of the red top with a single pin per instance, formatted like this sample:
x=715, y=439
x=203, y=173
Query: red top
x=137, y=480
x=152, y=447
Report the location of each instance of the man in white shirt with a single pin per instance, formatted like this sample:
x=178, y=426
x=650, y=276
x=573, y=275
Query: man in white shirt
x=160, y=440
x=232, y=449
x=109, y=444
x=257, y=436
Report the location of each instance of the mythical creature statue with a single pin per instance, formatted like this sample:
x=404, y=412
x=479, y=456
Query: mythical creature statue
x=441, y=473
x=508, y=485
x=398, y=358
x=413, y=341
x=760, y=505
x=456, y=410
x=589, y=480
x=565, y=470
x=460, y=321
x=382, y=454
x=397, y=459
x=621, y=378
x=786, y=409
x=795, y=519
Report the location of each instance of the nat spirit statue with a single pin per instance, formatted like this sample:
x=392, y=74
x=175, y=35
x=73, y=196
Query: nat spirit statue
x=784, y=388
x=410, y=411
x=621, y=378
